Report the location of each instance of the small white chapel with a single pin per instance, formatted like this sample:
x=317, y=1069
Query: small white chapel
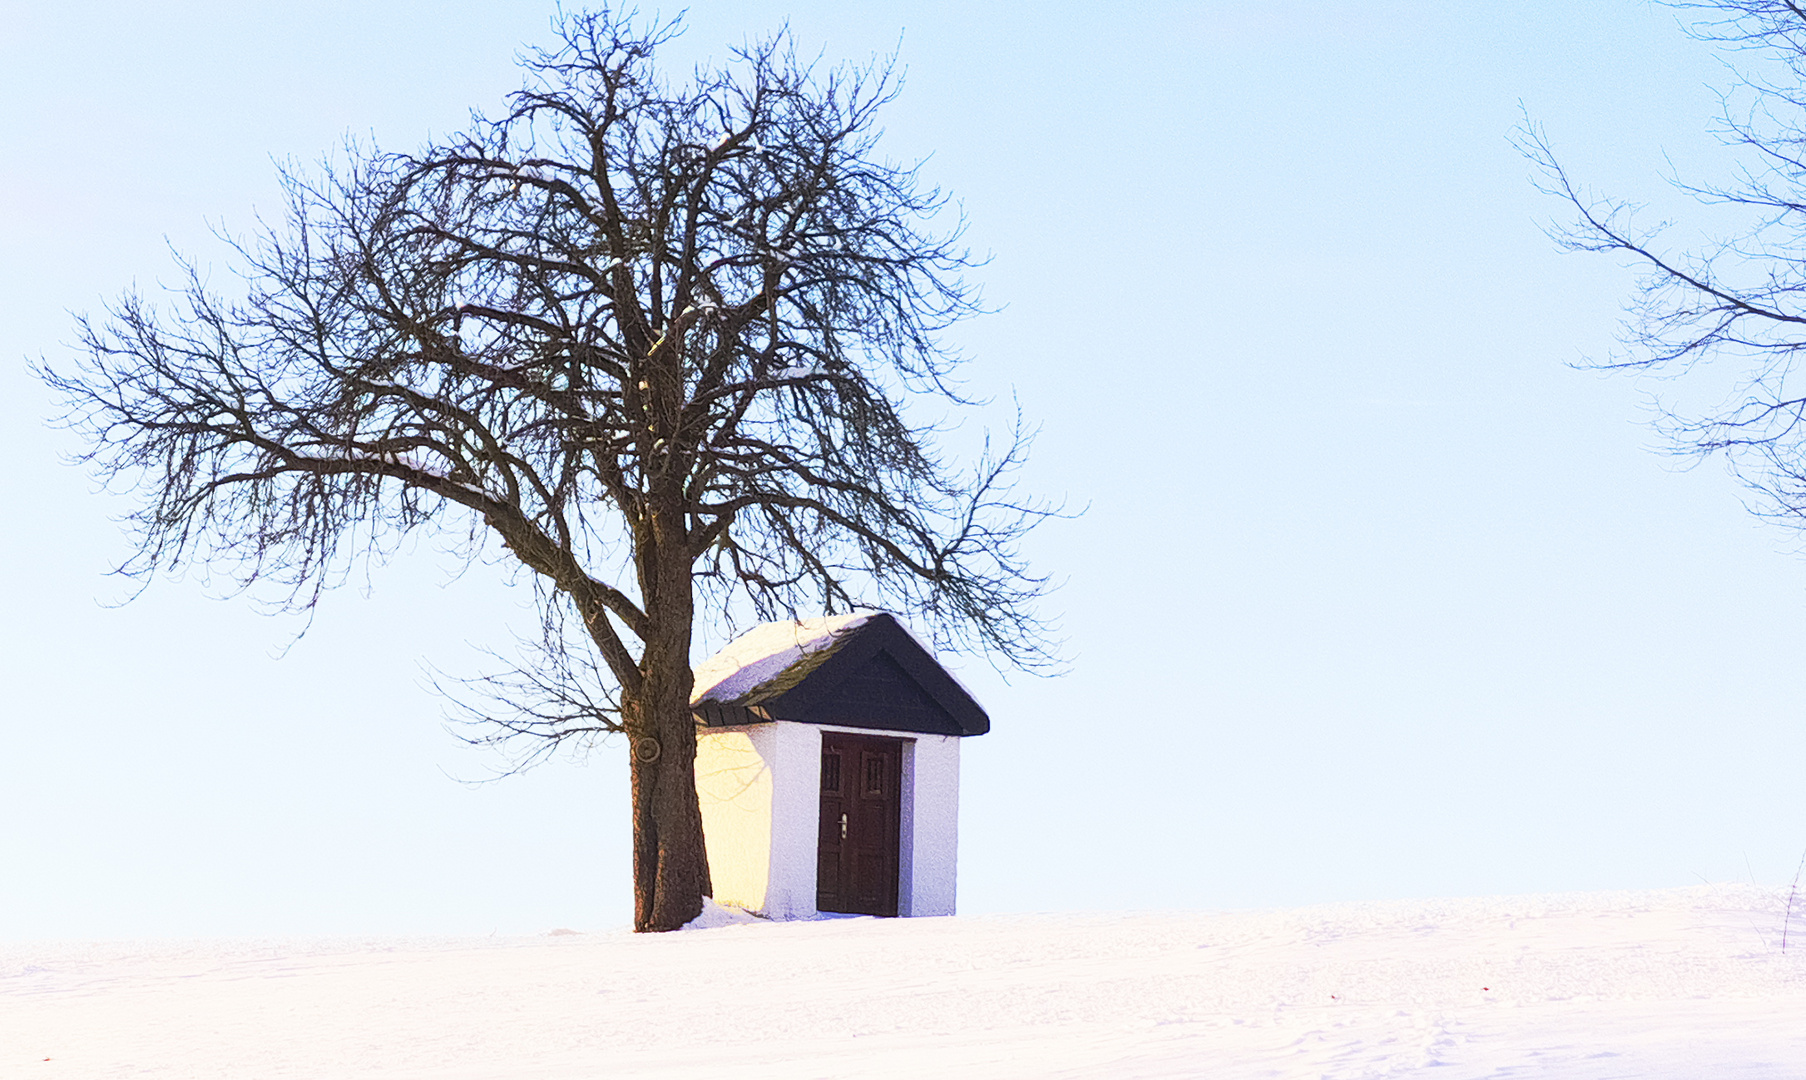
x=827, y=764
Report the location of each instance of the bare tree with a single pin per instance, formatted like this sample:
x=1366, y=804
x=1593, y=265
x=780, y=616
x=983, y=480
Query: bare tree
x=660, y=340
x=1740, y=303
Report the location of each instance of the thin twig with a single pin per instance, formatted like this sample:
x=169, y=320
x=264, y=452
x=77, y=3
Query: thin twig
x=1792, y=891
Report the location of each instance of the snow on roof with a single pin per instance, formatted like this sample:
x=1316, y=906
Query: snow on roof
x=765, y=652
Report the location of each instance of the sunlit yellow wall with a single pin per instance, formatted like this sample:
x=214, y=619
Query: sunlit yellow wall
x=734, y=785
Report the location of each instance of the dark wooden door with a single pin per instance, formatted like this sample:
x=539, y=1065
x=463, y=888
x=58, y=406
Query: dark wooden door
x=861, y=818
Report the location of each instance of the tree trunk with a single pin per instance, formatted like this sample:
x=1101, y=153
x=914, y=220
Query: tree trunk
x=670, y=864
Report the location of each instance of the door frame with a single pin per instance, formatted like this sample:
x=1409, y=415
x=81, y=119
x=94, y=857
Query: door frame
x=901, y=816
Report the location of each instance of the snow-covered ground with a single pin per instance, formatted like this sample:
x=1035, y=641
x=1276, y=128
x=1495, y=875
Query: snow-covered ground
x=1679, y=983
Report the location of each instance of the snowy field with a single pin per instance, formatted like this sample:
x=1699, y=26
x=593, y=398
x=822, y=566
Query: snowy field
x=1681, y=983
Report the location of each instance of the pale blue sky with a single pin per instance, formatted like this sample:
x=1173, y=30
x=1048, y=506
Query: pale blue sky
x=1376, y=596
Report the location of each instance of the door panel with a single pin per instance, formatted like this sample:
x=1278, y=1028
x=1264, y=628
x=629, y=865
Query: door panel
x=861, y=814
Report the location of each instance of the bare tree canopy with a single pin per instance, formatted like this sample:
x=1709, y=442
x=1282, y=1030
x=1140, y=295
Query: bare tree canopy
x=1741, y=303
x=660, y=340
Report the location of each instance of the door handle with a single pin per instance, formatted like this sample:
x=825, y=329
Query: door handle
x=843, y=827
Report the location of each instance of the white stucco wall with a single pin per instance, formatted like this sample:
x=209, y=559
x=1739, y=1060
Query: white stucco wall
x=760, y=788
x=796, y=818
x=930, y=826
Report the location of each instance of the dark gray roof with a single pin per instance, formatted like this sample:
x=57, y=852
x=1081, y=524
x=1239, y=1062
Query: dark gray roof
x=866, y=672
